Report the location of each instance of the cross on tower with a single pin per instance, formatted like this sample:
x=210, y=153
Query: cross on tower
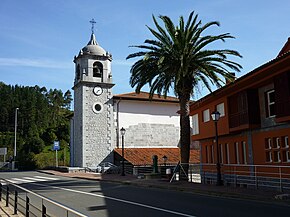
x=93, y=24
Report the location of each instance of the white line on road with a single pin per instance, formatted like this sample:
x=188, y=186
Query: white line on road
x=34, y=179
x=119, y=200
x=45, y=177
x=19, y=180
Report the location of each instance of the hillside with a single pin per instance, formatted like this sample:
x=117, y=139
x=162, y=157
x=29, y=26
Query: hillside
x=43, y=117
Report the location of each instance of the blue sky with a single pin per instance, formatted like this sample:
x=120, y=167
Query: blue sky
x=39, y=38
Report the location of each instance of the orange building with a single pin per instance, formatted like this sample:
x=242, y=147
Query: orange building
x=254, y=126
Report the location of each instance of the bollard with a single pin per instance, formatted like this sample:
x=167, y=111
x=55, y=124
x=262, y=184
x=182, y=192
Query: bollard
x=27, y=207
x=15, y=202
x=168, y=173
x=155, y=163
x=7, y=196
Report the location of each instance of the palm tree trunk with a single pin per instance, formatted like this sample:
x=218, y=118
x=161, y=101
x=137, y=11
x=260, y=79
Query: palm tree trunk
x=184, y=131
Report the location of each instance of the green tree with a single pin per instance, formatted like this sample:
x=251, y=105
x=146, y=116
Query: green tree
x=67, y=99
x=43, y=117
x=179, y=57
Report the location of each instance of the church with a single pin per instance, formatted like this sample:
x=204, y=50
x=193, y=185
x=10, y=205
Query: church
x=99, y=114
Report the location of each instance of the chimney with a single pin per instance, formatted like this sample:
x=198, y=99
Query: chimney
x=233, y=75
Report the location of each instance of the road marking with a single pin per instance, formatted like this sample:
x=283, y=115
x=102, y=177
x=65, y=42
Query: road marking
x=23, y=180
x=45, y=177
x=19, y=180
x=34, y=179
x=119, y=200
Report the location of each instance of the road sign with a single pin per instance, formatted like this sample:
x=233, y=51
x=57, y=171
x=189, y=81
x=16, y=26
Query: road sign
x=3, y=151
x=56, y=145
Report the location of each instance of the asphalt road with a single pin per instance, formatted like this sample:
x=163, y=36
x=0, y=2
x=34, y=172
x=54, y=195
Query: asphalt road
x=105, y=199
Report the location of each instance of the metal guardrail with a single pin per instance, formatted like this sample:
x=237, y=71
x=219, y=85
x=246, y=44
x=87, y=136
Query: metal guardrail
x=3, y=164
x=257, y=176
x=168, y=169
x=30, y=203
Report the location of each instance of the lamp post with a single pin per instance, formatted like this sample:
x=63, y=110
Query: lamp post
x=15, y=128
x=215, y=117
x=123, y=131
x=164, y=160
x=15, y=132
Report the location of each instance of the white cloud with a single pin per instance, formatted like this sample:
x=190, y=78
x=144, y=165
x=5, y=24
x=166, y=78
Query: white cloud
x=122, y=62
x=38, y=63
x=48, y=63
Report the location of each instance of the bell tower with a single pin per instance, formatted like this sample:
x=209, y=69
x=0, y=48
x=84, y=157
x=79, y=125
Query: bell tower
x=92, y=127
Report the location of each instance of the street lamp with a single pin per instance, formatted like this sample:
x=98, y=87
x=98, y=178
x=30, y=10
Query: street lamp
x=123, y=131
x=215, y=117
x=164, y=160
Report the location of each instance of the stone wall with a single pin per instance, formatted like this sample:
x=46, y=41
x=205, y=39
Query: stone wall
x=151, y=135
x=97, y=127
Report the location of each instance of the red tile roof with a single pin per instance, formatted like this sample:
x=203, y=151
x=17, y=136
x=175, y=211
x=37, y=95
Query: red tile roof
x=143, y=156
x=144, y=96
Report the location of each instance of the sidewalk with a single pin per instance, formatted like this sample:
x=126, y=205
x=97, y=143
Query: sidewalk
x=7, y=211
x=203, y=189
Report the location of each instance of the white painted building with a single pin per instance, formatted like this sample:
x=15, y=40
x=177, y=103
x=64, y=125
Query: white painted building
x=148, y=123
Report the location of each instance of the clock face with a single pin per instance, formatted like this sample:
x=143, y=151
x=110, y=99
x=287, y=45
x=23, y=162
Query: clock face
x=98, y=90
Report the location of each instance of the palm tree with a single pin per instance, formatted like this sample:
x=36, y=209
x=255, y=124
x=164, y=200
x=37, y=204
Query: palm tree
x=178, y=58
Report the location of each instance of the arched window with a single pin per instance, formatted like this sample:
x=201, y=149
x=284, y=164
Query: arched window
x=97, y=70
x=78, y=72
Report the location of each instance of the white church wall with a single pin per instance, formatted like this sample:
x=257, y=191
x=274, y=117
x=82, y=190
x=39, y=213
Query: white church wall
x=149, y=124
x=132, y=112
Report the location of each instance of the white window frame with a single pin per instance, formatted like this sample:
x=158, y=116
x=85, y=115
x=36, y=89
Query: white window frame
x=228, y=153
x=270, y=103
x=221, y=109
x=270, y=157
x=277, y=142
x=212, y=154
x=206, y=154
x=205, y=115
x=244, y=152
x=288, y=156
x=101, y=107
x=237, y=152
x=195, y=125
x=278, y=156
x=269, y=142
x=286, y=142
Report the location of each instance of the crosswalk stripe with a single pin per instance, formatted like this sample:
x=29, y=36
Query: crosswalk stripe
x=30, y=179
x=44, y=177
x=12, y=181
x=21, y=180
x=34, y=179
